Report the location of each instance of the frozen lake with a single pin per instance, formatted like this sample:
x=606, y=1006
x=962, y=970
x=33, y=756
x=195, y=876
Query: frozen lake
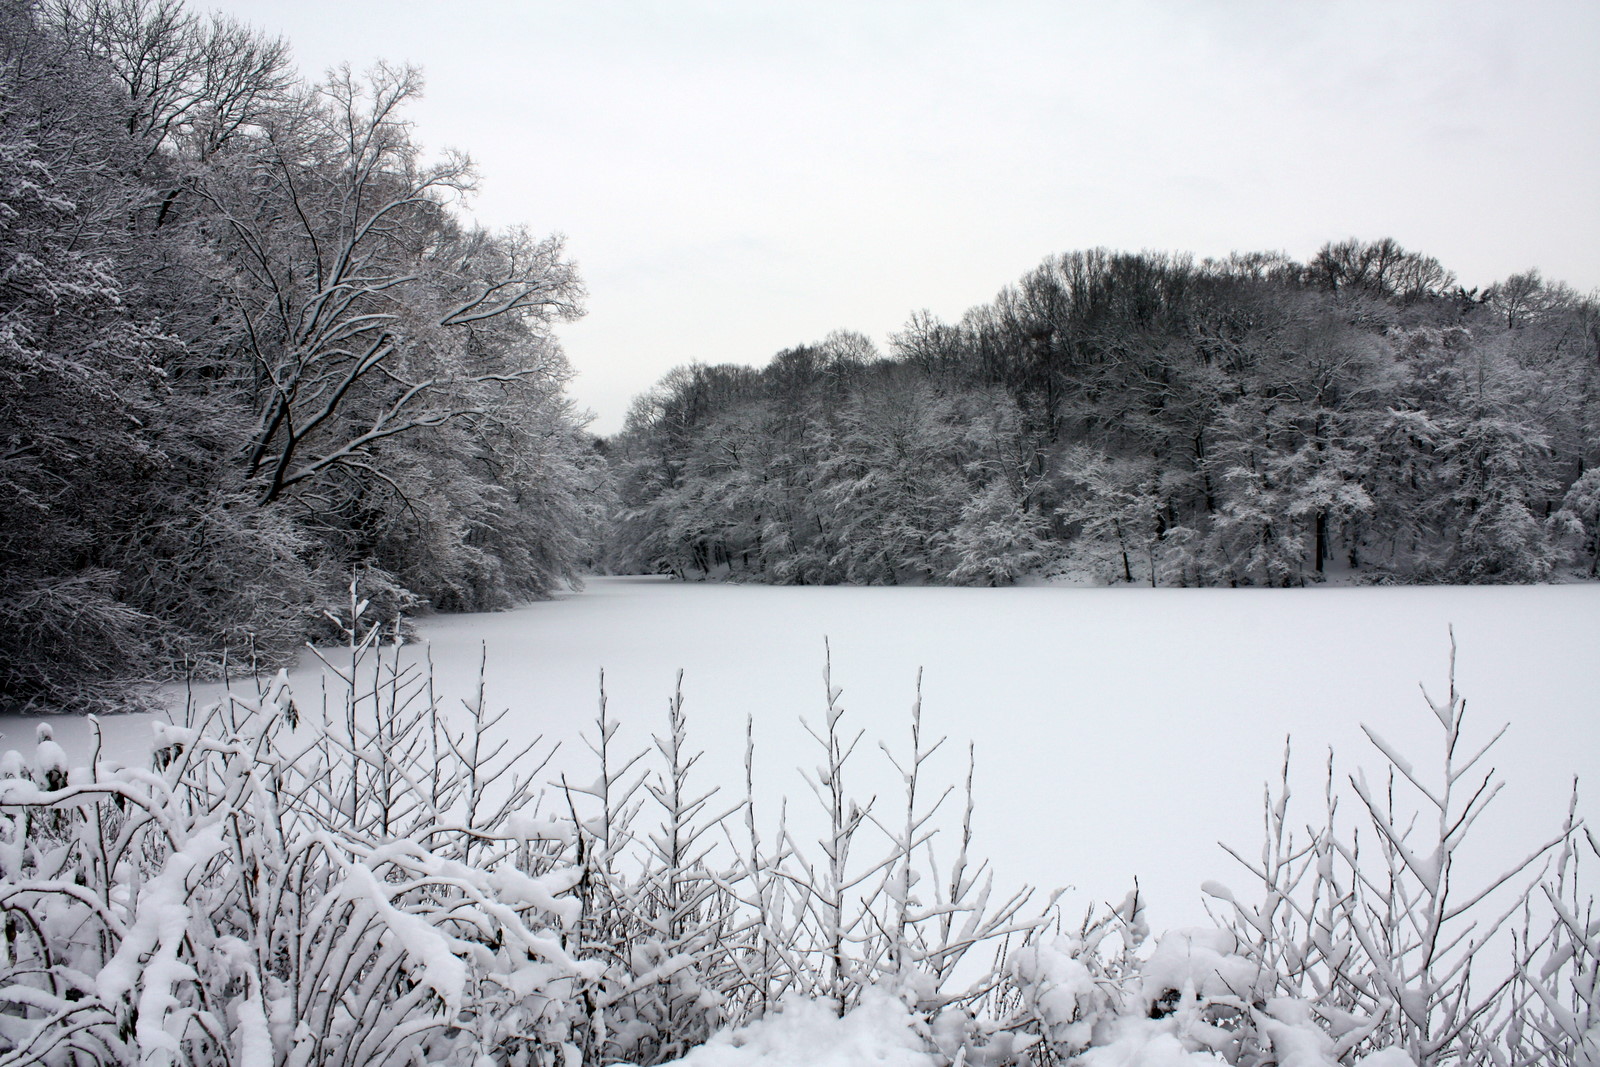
x=1120, y=733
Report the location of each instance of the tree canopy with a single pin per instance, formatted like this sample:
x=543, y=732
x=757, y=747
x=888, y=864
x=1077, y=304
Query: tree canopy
x=1150, y=418
x=250, y=340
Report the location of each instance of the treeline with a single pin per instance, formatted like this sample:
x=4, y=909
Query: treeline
x=1146, y=418
x=249, y=342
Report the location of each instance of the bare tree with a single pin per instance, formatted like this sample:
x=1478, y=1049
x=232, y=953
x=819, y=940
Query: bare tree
x=366, y=310
x=191, y=83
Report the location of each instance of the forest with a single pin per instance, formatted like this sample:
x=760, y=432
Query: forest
x=253, y=344
x=1143, y=417
x=250, y=343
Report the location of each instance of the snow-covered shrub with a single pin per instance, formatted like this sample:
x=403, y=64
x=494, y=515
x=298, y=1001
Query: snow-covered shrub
x=1374, y=933
x=665, y=941
x=868, y=910
x=268, y=893
x=1554, y=1013
x=373, y=881
x=1064, y=991
x=881, y=1030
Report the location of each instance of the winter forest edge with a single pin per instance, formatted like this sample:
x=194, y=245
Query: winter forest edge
x=265, y=382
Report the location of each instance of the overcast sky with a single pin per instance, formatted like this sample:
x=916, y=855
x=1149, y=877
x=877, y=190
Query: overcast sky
x=735, y=178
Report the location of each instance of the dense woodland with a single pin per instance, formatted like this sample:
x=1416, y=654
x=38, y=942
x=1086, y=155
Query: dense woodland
x=249, y=341
x=252, y=345
x=1147, y=418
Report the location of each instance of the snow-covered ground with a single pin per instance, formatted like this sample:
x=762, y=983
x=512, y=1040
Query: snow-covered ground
x=1120, y=733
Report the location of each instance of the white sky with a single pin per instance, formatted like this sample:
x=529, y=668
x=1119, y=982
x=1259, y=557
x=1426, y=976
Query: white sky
x=735, y=178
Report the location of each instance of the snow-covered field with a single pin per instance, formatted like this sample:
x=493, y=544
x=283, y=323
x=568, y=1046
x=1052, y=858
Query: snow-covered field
x=1120, y=733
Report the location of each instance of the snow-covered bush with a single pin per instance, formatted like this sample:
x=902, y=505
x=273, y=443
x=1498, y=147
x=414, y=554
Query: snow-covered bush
x=278, y=890
x=1555, y=1000
x=1369, y=947
x=1377, y=935
x=375, y=881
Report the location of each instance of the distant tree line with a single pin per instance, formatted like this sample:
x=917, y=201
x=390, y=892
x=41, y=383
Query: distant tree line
x=248, y=343
x=1146, y=418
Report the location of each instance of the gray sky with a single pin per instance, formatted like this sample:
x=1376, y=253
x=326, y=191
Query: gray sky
x=735, y=178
